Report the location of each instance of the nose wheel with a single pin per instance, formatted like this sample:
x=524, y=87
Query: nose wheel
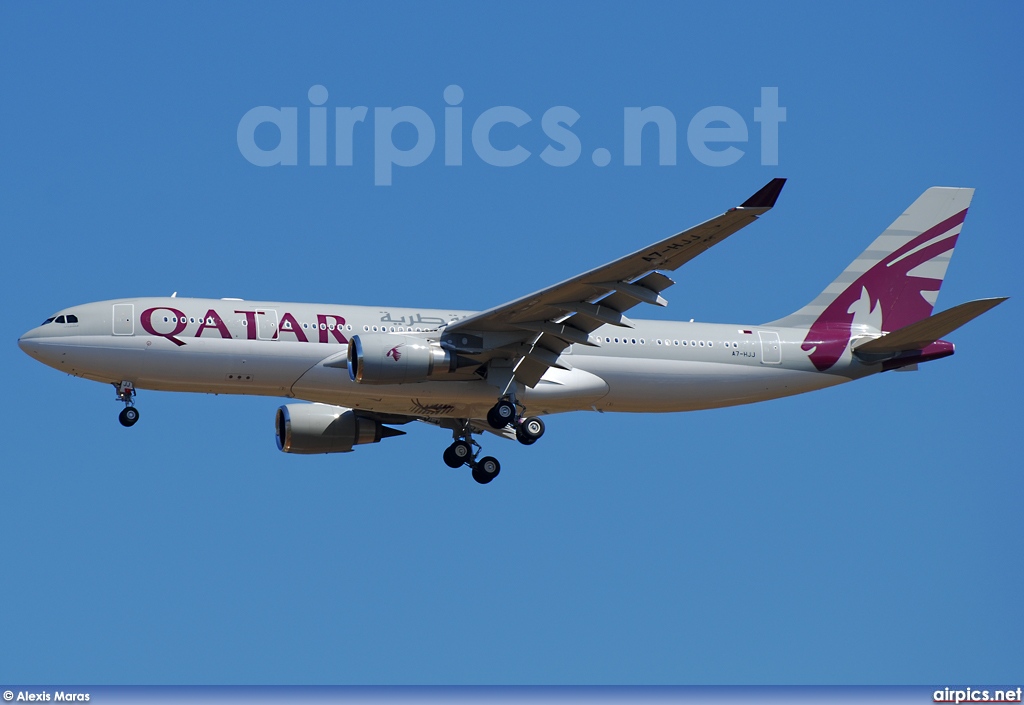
x=129, y=415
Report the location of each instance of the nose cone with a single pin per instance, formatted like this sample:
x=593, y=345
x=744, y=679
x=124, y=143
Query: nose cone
x=30, y=343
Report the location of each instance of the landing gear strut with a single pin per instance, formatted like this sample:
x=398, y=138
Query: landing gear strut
x=126, y=393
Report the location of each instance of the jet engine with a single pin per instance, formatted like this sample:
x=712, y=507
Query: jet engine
x=321, y=428
x=396, y=359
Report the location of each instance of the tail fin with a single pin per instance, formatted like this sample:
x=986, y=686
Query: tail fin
x=893, y=283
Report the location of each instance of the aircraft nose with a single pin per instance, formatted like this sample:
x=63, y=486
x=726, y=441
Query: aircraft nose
x=25, y=342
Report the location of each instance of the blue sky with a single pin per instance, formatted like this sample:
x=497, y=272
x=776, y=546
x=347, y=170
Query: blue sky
x=869, y=533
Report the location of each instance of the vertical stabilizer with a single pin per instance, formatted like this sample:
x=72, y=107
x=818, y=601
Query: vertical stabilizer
x=892, y=284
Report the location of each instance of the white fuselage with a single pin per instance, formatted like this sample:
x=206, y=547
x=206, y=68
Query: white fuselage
x=230, y=346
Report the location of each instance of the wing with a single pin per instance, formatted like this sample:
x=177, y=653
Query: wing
x=532, y=331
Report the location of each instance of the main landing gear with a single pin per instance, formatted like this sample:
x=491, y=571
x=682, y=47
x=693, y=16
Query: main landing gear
x=505, y=412
x=464, y=451
x=529, y=430
x=126, y=393
x=502, y=414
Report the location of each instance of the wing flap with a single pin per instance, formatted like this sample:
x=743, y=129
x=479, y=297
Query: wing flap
x=645, y=290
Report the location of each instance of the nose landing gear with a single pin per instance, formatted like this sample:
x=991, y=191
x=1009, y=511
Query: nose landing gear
x=129, y=416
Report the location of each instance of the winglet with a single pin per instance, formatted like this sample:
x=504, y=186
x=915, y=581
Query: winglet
x=766, y=197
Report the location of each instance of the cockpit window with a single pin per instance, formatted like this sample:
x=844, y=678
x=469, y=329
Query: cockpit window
x=60, y=319
x=72, y=318
x=49, y=320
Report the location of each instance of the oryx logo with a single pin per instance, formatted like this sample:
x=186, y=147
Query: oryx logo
x=393, y=353
x=896, y=291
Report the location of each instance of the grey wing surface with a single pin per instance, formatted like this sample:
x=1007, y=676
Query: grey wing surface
x=533, y=330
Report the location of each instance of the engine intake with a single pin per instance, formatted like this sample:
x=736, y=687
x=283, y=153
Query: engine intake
x=321, y=428
x=396, y=359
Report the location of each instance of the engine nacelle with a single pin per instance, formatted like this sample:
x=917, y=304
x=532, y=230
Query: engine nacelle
x=321, y=428
x=395, y=359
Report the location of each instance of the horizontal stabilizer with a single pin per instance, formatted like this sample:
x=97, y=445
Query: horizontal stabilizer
x=920, y=335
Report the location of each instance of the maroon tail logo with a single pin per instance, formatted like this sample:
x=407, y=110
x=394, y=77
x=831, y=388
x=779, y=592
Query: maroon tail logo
x=394, y=354
x=889, y=287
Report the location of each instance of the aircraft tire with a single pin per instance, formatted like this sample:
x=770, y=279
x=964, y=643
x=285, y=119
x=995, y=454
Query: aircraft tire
x=456, y=455
x=129, y=416
x=529, y=431
x=486, y=470
x=501, y=414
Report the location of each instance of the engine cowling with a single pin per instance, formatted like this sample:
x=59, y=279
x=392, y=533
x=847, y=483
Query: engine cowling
x=322, y=428
x=396, y=359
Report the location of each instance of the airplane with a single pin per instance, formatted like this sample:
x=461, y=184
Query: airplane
x=360, y=371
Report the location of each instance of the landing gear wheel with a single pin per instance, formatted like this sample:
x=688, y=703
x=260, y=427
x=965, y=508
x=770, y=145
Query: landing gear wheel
x=486, y=470
x=128, y=416
x=501, y=414
x=458, y=454
x=529, y=431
